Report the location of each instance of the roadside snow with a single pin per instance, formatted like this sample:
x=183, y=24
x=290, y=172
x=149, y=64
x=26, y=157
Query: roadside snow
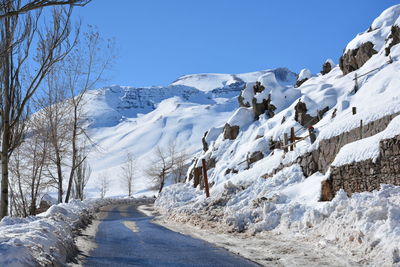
x=367, y=225
x=48, y=238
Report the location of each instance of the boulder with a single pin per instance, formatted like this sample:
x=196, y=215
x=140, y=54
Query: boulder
x=395, y=38
x=264, y=107
x=303, y=76
x=301, y=115
x=231, y=132
x=203, y=140
x=327, y=193
x=255, y=156
x=354, y=59
x=258, y=87
x=326, y=68
x=300, y=82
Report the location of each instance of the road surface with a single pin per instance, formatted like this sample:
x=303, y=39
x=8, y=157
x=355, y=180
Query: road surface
x=126, y=237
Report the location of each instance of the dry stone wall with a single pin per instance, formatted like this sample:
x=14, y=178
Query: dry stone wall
x=367, y=175
x=320, y=159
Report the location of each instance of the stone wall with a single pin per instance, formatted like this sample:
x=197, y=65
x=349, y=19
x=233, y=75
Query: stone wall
x=367, y=175
x=321, y=158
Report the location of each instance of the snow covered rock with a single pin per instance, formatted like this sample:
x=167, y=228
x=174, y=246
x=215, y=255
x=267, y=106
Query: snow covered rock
x=304, y=75
x=355, y=58
x=327, y=66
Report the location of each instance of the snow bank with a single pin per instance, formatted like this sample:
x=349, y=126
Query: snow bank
x=242, y=117
x=48, y=238
x=368, y=224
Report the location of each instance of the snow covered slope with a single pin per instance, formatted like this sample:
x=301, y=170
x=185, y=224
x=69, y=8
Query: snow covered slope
x=288, y=201
x=136, y=120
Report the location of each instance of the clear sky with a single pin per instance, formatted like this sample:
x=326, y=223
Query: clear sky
x=160, y=40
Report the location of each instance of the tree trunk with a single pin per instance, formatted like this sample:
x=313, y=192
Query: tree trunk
x=74, y=153
x=6, y=131
x=60, y=178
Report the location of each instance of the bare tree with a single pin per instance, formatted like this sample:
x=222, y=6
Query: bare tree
x=128, y=173
x=167, y=162
x=54, y=107
x=180, y=167
x=84, y=68
x=20, y=80
x=160, y=167
x=82, y=175
x=20, y=8
x=27, y=165
x=104, y=185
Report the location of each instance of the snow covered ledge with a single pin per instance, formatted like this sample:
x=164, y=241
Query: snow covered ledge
x=48, y=238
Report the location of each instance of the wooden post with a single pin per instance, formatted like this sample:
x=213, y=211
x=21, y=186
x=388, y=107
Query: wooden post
x=292, y=138
x=285, y=142
x=312, y=135
x=354, y=109
x=355, y=83
x=203, y=161
x=361, y=128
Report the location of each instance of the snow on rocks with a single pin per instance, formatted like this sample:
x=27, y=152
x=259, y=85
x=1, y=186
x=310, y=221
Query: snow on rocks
x=367, y=148
x=48, y=238
x=366, y=224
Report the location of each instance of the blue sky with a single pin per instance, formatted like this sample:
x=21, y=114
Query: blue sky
x=160, y=40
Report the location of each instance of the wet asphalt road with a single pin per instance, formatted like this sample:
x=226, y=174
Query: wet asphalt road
x=129, y=238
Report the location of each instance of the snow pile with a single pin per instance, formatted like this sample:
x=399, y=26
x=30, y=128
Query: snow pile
x=241, y=117
x=48, y=238
x=366, y=224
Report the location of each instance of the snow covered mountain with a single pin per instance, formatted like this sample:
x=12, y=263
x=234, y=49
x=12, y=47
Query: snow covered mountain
x=136, y=120
x=256, y=185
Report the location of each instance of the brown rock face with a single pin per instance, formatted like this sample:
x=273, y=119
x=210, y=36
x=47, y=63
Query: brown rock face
x=264, y=107
x=300, y=82
x=203, y=140
x=305, y=119
x=301, y=115
x=255, y=156
x=326, y=68
x=327, y=193
x=395, y=36
x=241, y=101
x=355, y=59
x=231, y=132
x=258, y=88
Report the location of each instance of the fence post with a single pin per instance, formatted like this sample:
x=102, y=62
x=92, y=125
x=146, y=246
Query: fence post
x=292, y=138
x=203, y=161
x=354, y=109
x=361, y=128
x=285, y=142
x=355, y=83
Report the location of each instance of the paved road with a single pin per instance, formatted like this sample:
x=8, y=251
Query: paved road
x=129, y=238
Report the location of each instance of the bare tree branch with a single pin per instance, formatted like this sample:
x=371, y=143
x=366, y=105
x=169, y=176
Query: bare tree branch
x=37, y=4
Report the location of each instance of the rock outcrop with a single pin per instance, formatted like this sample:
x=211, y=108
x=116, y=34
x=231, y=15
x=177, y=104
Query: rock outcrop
x=326, y=68
x=231, y=132
x=394, y=37
x=255, y=156
x=204, y=142
x=266, y=107
x=354, y=59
